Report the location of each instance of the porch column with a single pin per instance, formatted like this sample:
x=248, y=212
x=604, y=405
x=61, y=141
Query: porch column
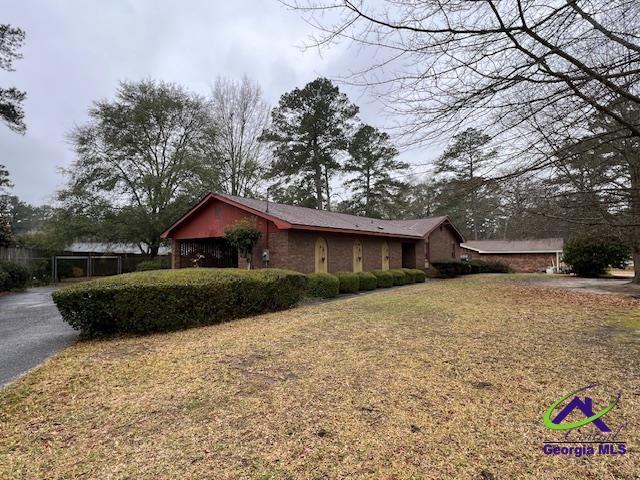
x=421, y=254
x=175, y=253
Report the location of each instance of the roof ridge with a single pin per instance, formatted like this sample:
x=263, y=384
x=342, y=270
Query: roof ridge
x=332, y=212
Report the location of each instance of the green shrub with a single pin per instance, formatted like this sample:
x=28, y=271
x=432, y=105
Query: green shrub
x=243, y=234
x=13, y=276
x=400, y=277
x=591, y=257
x=452, y=268
x=384, y=277
x=368, y=281
x=349, y=282
x=477, y=266
x=152, y=265
x=497, y=267
x=322, y=285
x=164, y=300
x=418, y=275
x=414, y=275
x=4, y=280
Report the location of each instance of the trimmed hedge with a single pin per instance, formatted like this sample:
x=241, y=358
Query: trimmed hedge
x=400, y=277
x=349, y=282
x=480, y=266
x=164, y=300
x=454, y=268
x=13, y=276
x=148, y=265
x=322, y=285
x=368, y=281
x=384, y=277
x=418, y=276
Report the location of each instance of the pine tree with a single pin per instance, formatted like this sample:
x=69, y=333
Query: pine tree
x=462, y=164
x=310, y=127
x=372, y=158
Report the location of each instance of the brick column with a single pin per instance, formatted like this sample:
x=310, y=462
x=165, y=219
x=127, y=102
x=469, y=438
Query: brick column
x=421, y=252
x=175, y=253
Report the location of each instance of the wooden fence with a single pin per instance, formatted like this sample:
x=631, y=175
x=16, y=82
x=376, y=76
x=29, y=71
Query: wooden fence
x=23, y=256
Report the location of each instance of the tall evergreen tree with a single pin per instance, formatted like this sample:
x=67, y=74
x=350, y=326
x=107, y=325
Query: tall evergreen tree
x=372, y=158
x=11, y=99
x=309, y=128
x=461, y=166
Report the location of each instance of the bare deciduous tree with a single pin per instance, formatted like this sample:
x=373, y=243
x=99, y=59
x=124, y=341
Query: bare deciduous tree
x=240, y=115
x=532, y=74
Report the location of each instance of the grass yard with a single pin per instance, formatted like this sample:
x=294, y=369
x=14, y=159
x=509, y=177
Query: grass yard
x=448, y=379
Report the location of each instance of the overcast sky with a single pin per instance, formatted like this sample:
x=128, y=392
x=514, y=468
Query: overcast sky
x=77, y=51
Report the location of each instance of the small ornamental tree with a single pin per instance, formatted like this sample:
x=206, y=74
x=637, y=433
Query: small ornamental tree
x=591, y=257
x=243, y=235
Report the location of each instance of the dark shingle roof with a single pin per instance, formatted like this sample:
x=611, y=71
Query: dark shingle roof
x=515, y=246
x=310, y=217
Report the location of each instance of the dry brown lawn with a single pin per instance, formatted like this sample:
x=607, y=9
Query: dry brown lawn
x=447, y=379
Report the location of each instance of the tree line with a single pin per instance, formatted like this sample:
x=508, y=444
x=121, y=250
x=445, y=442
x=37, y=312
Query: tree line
x=147, y=154
x=542, y=102
x=555, y=84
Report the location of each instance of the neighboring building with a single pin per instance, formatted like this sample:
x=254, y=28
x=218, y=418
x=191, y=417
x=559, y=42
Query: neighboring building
x=520, y=255
x=89, y=259
x=107, y=248
x=309, y=240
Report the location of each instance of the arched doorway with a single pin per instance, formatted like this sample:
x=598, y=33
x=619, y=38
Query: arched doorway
x=357, y=256
x=385, y=256
x=321, y=255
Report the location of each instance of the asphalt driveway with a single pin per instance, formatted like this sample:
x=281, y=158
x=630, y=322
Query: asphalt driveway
x=31, y=330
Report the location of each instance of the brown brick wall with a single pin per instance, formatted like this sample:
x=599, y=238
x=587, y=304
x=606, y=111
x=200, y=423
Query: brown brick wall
x=443, y=244
x=421, y=254
x=278, y=250
x=301, y=251
x=519, y=262
x=295, y=250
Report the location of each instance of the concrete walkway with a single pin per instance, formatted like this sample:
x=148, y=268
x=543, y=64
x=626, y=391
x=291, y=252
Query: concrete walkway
x=31, y=330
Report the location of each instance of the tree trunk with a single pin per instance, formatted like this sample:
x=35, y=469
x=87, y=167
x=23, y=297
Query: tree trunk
x=635, y=216
x=318, y=182
x=327, y=189
x=153, y=249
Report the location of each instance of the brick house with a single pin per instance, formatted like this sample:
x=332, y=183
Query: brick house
x=309, y=240
x=520, y=255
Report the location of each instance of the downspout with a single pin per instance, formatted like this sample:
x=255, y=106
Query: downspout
x=267, y=211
